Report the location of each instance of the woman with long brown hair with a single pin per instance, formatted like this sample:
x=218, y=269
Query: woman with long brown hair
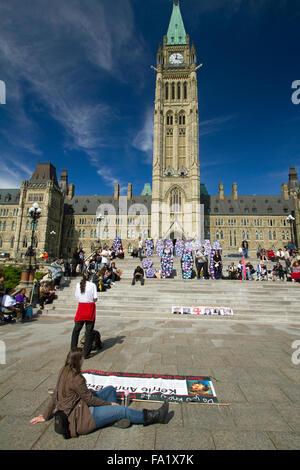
x=87, y=410
x=86, y=294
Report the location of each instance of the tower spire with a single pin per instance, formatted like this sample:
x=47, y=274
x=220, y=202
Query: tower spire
x=176, y=31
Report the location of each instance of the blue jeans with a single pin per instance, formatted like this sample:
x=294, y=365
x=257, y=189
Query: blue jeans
x=104, y=415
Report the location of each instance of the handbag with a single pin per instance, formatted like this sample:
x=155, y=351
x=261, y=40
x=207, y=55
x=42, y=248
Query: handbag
x=61, y=422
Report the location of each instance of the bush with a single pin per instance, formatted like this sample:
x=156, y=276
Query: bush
x=12, y=276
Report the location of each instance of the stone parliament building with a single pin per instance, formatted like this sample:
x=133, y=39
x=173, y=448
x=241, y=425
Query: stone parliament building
x=177, y=205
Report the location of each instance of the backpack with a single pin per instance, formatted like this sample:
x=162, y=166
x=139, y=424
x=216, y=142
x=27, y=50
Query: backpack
x=96, y=341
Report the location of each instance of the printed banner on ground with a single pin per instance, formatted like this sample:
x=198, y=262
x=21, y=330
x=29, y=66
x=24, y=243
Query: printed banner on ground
x=152, y=387
x=221, y=311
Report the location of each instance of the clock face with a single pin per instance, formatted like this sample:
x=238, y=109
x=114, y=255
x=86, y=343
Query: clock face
x=176, y=59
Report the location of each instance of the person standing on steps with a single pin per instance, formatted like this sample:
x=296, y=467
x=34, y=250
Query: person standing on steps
x=86, y=410
x=86, y=295
x=140, y=248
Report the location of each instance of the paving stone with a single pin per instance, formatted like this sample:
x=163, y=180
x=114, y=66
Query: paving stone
x=258, y=417
x=211, y=417
x=137, y=437
x=262, y=393
x=18, y=433
x=291, y=413
x=189, y=438
x=285, y=440
x=242, y=440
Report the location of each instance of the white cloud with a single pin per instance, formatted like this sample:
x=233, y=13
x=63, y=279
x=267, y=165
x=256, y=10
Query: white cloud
x=143, y=140
x=13, y=172
x=211, y=126
x=48, y=46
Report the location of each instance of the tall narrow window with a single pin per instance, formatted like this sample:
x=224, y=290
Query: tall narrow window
x=185, y=91
x=173, y=91
x=169, y=148
x=175, y=201
x=167, y=91
x=181, y=148
x=178, y=90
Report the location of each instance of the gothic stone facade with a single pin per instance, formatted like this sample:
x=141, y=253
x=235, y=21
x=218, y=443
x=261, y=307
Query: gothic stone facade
x=69, y=221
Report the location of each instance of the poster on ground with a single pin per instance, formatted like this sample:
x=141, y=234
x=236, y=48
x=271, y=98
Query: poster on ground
x=211, y=311
x=153, y=387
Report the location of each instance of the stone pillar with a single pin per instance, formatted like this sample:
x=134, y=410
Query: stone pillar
x=129, y=192
x=221, y=192
x=234, y=192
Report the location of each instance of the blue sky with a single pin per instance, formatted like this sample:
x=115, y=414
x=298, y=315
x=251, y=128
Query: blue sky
x=80, y=90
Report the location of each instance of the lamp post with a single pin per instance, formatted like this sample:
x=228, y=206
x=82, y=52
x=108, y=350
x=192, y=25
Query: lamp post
x=27, y=276
x=35, y=213
x=100, y=217
x=291, y=220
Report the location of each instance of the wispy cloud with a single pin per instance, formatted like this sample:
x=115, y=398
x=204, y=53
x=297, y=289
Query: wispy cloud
x=49, y=58
x=212, y=126
x=143, y=140
x=13, y=172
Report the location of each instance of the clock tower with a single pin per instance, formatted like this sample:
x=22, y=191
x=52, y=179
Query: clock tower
x=175, y=211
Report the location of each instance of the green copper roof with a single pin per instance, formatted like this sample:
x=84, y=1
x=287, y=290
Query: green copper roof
x=176, y=32
x=147, y=191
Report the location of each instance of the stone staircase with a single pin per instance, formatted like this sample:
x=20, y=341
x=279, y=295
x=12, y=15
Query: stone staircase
x=263, y=301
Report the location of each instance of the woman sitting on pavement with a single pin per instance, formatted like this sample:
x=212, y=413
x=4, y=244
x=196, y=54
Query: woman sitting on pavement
x=87, y=410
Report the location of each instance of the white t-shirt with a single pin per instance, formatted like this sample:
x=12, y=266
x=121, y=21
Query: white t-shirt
x=105, y=254
x=141, y=244
x=89, y=295
x=8, y=301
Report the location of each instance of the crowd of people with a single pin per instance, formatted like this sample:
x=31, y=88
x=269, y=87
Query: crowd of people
x=14, y=308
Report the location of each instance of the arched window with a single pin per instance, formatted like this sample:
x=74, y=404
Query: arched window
x=221, y=234
x=248, y=236
x=243, y=235
x=170, y=119
x=182, y=119
x=35, y=242
x=178, y=90
x=261, y=235
x=283, y=235
x=256, y=235
x=12, y=242
x=167, y=91
x=13, y=225
x=270, y=235
x=274, y=235
x=92, y=234
x=175, y=201
x=217, y=235
x=83, y=233
x=4, y=226
x=25, y=242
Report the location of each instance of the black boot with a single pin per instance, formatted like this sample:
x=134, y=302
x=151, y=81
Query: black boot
x=156, y=416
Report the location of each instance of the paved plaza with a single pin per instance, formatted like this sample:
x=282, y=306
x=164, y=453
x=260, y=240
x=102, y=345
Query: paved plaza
x=249, y=362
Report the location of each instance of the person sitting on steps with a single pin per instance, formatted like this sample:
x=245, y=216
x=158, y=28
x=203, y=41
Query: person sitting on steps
x=138, y=275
